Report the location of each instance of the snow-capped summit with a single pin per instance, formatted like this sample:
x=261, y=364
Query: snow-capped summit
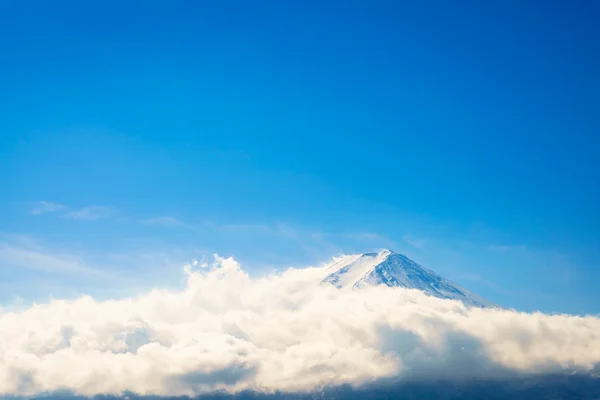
x=393, y=269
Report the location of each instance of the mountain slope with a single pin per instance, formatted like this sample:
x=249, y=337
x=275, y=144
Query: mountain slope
x=396, y=270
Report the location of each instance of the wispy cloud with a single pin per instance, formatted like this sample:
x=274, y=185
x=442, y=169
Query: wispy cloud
x=372, y=238
x=163, y=220
x=167, y=221
x=91, y=213
x=30, y=254
x=42, y=207
x=416, y=242
x=503, y=248
x=307, y=242
x=31, y=267
x=475, y=277
x=242, y=228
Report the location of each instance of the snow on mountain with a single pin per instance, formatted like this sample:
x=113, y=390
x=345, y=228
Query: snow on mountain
x=396, y=270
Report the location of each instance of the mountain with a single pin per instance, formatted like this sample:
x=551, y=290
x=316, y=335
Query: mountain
x=396, y=270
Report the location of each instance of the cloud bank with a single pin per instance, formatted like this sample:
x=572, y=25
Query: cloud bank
x=228, y=331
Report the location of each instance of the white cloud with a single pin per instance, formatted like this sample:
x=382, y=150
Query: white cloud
x=90, y=213
x=225, y=330
x=42, y=207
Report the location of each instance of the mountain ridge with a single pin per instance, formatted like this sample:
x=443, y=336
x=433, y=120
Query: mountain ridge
x=396, y=270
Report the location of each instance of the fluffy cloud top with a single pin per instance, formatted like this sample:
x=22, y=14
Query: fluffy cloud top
x=287, y=332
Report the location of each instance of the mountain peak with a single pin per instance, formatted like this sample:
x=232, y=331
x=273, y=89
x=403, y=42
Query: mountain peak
x=389, y=268
x=386, y=252
x=381, y=253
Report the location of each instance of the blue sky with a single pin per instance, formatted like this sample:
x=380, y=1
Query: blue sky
x=137, y=136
